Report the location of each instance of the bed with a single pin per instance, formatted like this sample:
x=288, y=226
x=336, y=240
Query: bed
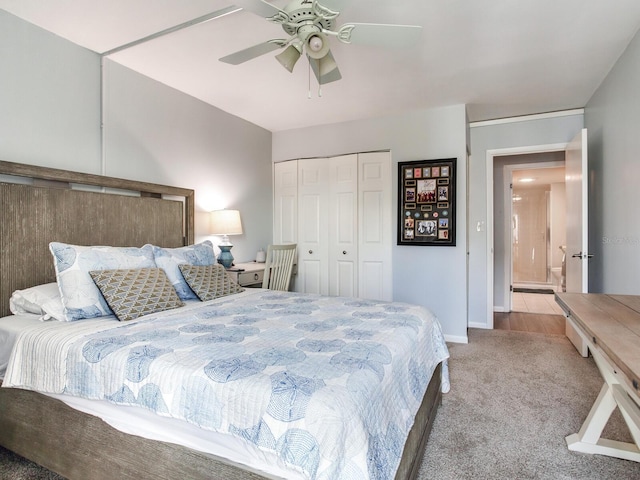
x=46, y=424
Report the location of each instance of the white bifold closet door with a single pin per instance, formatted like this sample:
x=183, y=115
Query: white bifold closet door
x=342, y=220
x=328, y=225
x=313, y=226
x=375, y=226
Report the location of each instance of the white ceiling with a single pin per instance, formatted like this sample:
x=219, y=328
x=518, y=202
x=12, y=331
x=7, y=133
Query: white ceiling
x=500, y=57
x=538, y=177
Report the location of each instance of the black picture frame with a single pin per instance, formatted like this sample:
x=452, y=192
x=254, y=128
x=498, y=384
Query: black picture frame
x=426, y=197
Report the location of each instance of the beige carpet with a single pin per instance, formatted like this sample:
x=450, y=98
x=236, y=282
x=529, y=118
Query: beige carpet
x=514, y=397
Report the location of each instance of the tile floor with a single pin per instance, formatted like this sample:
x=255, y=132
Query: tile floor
x=535, y=303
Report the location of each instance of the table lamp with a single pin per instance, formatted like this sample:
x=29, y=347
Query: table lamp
x=225, y=223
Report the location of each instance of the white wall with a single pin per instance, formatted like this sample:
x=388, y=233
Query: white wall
x=50, y=111
x=612, y=118
x=431, y=276
x=541, y=131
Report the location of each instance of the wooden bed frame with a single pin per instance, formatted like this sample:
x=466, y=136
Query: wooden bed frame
x=54, y=205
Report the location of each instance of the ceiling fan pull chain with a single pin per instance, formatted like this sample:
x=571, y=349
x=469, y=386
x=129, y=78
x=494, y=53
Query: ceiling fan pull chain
x=309, y=81
x=319, y=91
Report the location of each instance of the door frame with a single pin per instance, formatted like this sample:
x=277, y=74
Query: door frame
x=491, y=154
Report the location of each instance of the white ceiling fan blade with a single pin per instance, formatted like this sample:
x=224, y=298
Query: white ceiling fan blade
x=262, y=8
x=325, y=69
x=252, y=52
x=380, y=35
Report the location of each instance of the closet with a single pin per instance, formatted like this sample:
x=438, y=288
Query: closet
x=338, y=211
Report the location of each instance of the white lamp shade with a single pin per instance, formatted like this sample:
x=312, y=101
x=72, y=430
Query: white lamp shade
x=226, y=222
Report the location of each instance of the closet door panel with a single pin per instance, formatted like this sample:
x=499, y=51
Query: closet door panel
x=285, y=205
x=375, y=226
x=312, y=225
x=372, y=280
x=343, y=226
x=311, y=278
x=342, y=284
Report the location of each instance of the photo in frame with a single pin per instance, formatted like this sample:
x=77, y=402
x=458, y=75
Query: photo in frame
x=427, y=202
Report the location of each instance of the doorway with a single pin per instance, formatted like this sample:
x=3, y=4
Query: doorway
x=499, y=272
x=535, y=231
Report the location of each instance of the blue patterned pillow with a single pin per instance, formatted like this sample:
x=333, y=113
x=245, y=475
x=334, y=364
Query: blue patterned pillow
x=81, y=298
x=169, y=258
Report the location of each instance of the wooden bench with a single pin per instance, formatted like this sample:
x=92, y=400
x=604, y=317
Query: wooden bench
x=610, y=327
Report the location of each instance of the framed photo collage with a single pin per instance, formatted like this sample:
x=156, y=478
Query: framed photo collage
x=426, y=202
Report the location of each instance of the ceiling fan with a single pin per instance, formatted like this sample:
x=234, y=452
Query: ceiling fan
x=309, y=24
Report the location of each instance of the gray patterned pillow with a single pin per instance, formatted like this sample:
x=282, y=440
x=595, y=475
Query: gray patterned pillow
x=209, y=281
x=136, y=292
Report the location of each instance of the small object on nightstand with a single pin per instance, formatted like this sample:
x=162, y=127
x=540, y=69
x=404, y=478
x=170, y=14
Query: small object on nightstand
x=235, y=269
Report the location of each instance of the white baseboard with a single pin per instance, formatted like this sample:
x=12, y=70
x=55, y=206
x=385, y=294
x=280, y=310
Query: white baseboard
x=479, y=325
x=456, y=339
x=498, y=308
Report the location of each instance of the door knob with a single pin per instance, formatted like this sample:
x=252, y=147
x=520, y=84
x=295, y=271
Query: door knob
x=344, y=252
x=310, y=252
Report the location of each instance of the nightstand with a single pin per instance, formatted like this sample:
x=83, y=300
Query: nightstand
x=250, y=277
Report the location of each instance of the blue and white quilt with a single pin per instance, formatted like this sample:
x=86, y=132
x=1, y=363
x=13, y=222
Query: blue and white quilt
x=329, y=384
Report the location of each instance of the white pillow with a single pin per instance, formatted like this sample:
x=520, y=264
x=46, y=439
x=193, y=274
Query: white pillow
x=43, y=300
x=168, y=259
x=80, y=296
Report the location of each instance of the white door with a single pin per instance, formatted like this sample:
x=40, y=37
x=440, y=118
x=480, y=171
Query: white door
x=343, y=226
x=577, y=256
x=313, y=234
x=285, y=202
x=375, y=227
x=285, y=206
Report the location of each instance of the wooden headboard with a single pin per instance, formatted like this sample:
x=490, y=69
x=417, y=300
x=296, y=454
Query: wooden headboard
x=48, y=204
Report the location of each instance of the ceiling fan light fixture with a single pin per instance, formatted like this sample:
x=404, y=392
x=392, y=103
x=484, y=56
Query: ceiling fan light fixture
x=289, y=56
x=317, y=45
x=309, y=24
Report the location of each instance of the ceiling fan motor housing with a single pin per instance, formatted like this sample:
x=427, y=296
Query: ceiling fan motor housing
x=301, y=13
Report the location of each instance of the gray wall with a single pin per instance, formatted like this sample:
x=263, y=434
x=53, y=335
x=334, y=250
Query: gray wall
x=50, y=112
x=49, y=99
x=612, y=118
x=160, y=135
x=544, y=131
x=431, y=276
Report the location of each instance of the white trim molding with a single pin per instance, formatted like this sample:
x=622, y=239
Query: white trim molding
x=528, y=118
x=457, y=338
